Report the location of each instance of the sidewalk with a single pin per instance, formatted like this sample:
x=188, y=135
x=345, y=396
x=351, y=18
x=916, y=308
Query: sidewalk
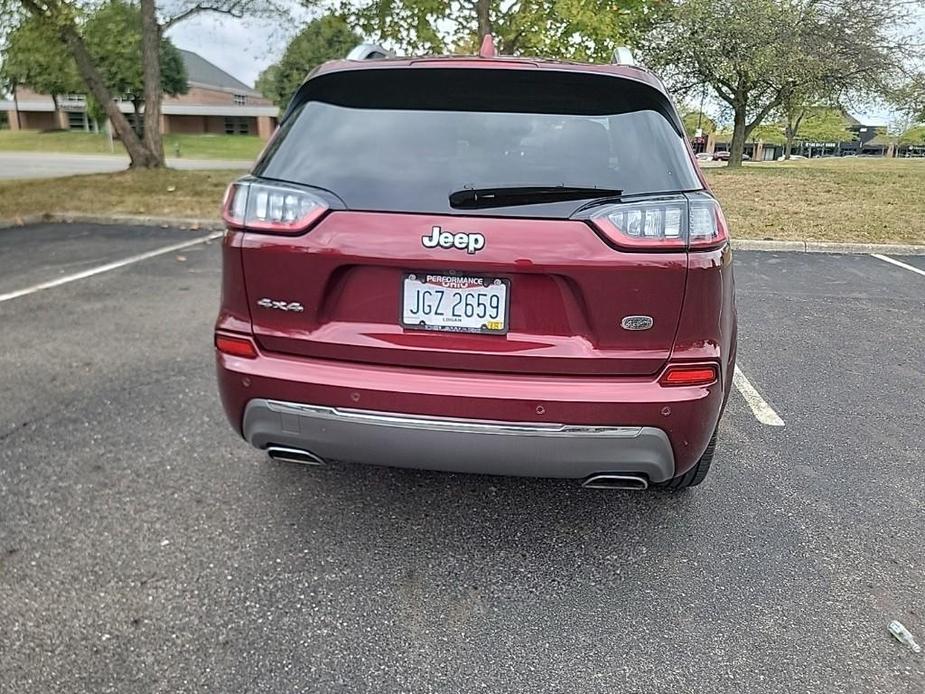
x=14, y=165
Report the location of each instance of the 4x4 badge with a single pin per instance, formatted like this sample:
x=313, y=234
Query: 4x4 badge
x=470, y=243
x=293, y=306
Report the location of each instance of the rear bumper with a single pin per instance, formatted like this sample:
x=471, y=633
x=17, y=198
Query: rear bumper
x=459, y=445
x=449, y=420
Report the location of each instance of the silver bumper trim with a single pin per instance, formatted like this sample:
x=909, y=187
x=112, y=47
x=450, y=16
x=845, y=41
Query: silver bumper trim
x=452, y=424
x=460, y=445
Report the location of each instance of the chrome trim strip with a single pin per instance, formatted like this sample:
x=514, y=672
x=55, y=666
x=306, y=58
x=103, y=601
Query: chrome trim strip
x=451, y=424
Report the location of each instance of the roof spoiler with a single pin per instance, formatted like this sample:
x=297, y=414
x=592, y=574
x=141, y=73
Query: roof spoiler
x=369, y=51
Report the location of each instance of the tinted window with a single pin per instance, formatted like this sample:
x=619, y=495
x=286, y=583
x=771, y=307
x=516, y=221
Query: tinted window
x=410, y=159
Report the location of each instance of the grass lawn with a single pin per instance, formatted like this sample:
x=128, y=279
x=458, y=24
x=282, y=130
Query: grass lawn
x=864, y=200
x=191, y=146
x=852, y=200
x=168, y=193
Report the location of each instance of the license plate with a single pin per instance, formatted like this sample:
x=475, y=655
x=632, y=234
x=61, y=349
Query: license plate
x=455, y=303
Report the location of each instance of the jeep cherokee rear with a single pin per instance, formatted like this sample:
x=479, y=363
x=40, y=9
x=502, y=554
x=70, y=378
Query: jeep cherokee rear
x=492, y=265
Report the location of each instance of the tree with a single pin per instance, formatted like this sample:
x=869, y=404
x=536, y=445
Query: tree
x=825, y=124
x=114, y=38
x=757, y=54
x=909, y=99
x=62, y=19
x=794, y=106
x=806, y=122
x=769, y=133
x=570, y=29
x=267, y=84
x=323, y=39
x=913, y=136
x=153, y=29
x=160, y=73
x=31, y=60
x=694, y=119
x=813, y=123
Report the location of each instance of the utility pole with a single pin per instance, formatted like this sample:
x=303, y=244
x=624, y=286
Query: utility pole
x=703, y=96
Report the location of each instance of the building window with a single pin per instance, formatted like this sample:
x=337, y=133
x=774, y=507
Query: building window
x=77, y=120
x=240, y=99
x=235, y=125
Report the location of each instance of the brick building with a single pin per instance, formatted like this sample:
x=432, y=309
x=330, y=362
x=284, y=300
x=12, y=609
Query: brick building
x=216, y=103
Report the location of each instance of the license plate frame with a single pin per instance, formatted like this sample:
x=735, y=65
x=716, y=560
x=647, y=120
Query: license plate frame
x=445, y=277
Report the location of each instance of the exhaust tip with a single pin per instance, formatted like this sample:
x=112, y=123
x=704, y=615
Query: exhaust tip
x=615, y=481
x=294, y=455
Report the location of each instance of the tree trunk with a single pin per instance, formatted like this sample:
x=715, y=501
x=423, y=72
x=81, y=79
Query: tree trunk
x=737, y=147
x=151, y=65
x=483, y=12
x=790, y=132
x=138, y=154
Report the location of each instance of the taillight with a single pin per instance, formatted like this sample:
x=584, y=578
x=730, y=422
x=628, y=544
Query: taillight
x=271, y=208
x=654, y=223
x=235, y=346
x=688, y=375
x=693, y=220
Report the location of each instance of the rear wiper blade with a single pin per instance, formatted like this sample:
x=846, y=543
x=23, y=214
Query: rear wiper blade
x=481, y=198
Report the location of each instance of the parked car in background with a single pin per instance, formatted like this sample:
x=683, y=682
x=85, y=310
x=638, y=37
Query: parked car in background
x=480, y=264
x=724, y=156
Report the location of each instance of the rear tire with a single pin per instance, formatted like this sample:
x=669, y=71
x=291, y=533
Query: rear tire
x=696, y=474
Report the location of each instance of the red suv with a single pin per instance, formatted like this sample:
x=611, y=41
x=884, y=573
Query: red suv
x=479, y=264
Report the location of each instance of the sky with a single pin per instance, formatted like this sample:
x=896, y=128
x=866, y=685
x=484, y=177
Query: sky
x=241, y=47
x=244, y=47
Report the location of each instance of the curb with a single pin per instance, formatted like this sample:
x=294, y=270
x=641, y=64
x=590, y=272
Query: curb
x=195, y=223
x=827, y=247
x=209, y=224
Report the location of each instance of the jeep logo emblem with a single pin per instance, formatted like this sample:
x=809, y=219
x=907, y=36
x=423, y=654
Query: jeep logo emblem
x=470, y=243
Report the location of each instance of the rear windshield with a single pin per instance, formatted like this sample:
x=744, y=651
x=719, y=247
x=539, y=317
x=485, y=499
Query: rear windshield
x=411, y=159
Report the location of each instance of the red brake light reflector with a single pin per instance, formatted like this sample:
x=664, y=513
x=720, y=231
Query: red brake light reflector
x=694, y=375
x=235, y=346
x=271, y=208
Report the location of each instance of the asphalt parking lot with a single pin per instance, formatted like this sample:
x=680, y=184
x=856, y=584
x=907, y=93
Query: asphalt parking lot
x=144, y=548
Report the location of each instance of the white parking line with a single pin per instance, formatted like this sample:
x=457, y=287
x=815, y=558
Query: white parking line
x=107, y=267
x=762, y=410
x=898, y=263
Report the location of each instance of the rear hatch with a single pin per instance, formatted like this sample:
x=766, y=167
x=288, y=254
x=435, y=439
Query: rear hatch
x=505, y=220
